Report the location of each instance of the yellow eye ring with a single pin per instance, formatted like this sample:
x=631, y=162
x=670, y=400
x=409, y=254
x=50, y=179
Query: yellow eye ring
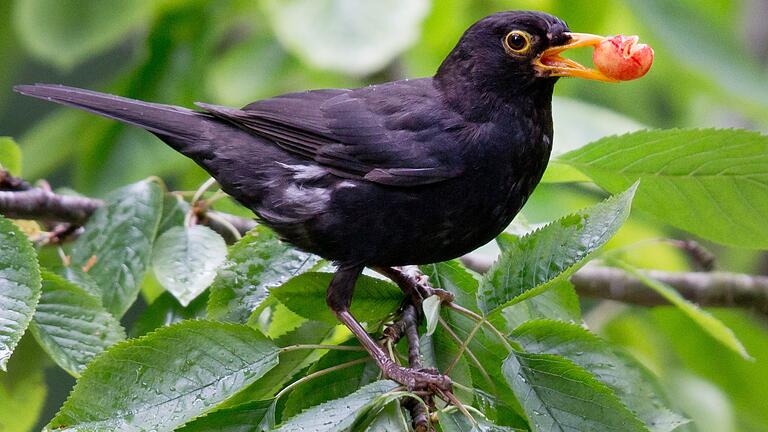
x=517, y=42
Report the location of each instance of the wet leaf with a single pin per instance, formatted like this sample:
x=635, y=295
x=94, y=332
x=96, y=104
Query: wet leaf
x=711, y=182
x=558, y=395
x=256, y=263
x=120, y=235
x=389, y=419
x=338, y=414
x=239, y=418
x=538, y=260
x=185, y=260
x=19, y=287
x=455, y=421
x=71, y=324
x=637, y=388
x=164, y=379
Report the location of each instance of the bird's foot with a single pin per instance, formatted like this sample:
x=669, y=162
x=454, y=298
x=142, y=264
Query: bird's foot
x=414, y=283
x=419, y=379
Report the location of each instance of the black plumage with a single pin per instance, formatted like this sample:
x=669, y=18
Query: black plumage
x=407, y=172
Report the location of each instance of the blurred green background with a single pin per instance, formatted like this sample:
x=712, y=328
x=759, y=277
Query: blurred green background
x=710, y=71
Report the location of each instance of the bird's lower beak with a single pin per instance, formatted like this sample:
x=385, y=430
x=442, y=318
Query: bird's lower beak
x=550, y=64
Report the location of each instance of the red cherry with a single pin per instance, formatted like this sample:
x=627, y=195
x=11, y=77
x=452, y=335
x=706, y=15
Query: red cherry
x=622, y=58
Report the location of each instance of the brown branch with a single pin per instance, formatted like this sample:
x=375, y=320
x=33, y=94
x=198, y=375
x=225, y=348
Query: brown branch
x=43, y=205
x=40, y=204
x=711, y=289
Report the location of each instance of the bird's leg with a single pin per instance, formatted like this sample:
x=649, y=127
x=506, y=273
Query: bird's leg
x=339, y=297
x=414, y=283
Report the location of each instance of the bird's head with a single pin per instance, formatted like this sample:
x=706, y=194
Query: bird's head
x=510, y=52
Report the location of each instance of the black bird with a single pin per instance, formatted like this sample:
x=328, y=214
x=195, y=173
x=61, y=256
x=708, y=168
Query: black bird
x=400, y=173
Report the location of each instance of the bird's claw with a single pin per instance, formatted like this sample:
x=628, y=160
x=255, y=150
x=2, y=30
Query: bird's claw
x=419, y=379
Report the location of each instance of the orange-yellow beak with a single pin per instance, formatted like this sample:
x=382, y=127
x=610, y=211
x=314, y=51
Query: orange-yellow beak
x=550, y=64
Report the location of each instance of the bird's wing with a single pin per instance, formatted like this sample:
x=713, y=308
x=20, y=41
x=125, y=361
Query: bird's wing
x=390, y=134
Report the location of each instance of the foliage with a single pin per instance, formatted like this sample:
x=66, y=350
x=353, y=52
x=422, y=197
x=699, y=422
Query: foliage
x=238, y=337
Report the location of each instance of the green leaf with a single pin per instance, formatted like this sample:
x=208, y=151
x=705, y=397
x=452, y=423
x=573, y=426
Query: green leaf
x=71, y=325
x=713, y=183
x=174, y=211
x=256, y=263
x=338, y=414
x=357, y=38
x=455, y=421
x=120, y=235
x=706, y=321
x=23, y=388
x=431, y=306
x=166, y=310
x=538, y=260
x=332, y=385
x=10, y=156
x=374, y=299
x=631, y=382
x=559, y=302
x=185, y=260
x=66, y=33
x=83, y=280
x=239, y=418
x=19, y=287
x=163, y=380
x=291, y=362
x=390, y=419
x=558, y=395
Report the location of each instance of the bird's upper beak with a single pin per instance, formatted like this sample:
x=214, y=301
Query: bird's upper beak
x=550, y=64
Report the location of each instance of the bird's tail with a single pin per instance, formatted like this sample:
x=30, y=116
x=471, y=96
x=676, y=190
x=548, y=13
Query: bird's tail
x=179, y=127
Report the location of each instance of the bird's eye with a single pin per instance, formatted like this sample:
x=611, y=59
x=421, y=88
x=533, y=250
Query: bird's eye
x=517, y=42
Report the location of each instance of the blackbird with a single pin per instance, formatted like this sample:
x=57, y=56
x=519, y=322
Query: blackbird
x=401, y=173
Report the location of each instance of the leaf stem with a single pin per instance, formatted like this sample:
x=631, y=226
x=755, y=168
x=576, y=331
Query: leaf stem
x=477, y=318
x=318, y=374
x=226, y=224
x=463, y=347
x=470, y=354
x=321, y=346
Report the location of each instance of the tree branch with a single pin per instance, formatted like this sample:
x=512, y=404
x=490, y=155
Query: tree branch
x=711, y=289
x=42, y=205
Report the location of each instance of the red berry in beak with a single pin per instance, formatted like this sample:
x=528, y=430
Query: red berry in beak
x=622, y=58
